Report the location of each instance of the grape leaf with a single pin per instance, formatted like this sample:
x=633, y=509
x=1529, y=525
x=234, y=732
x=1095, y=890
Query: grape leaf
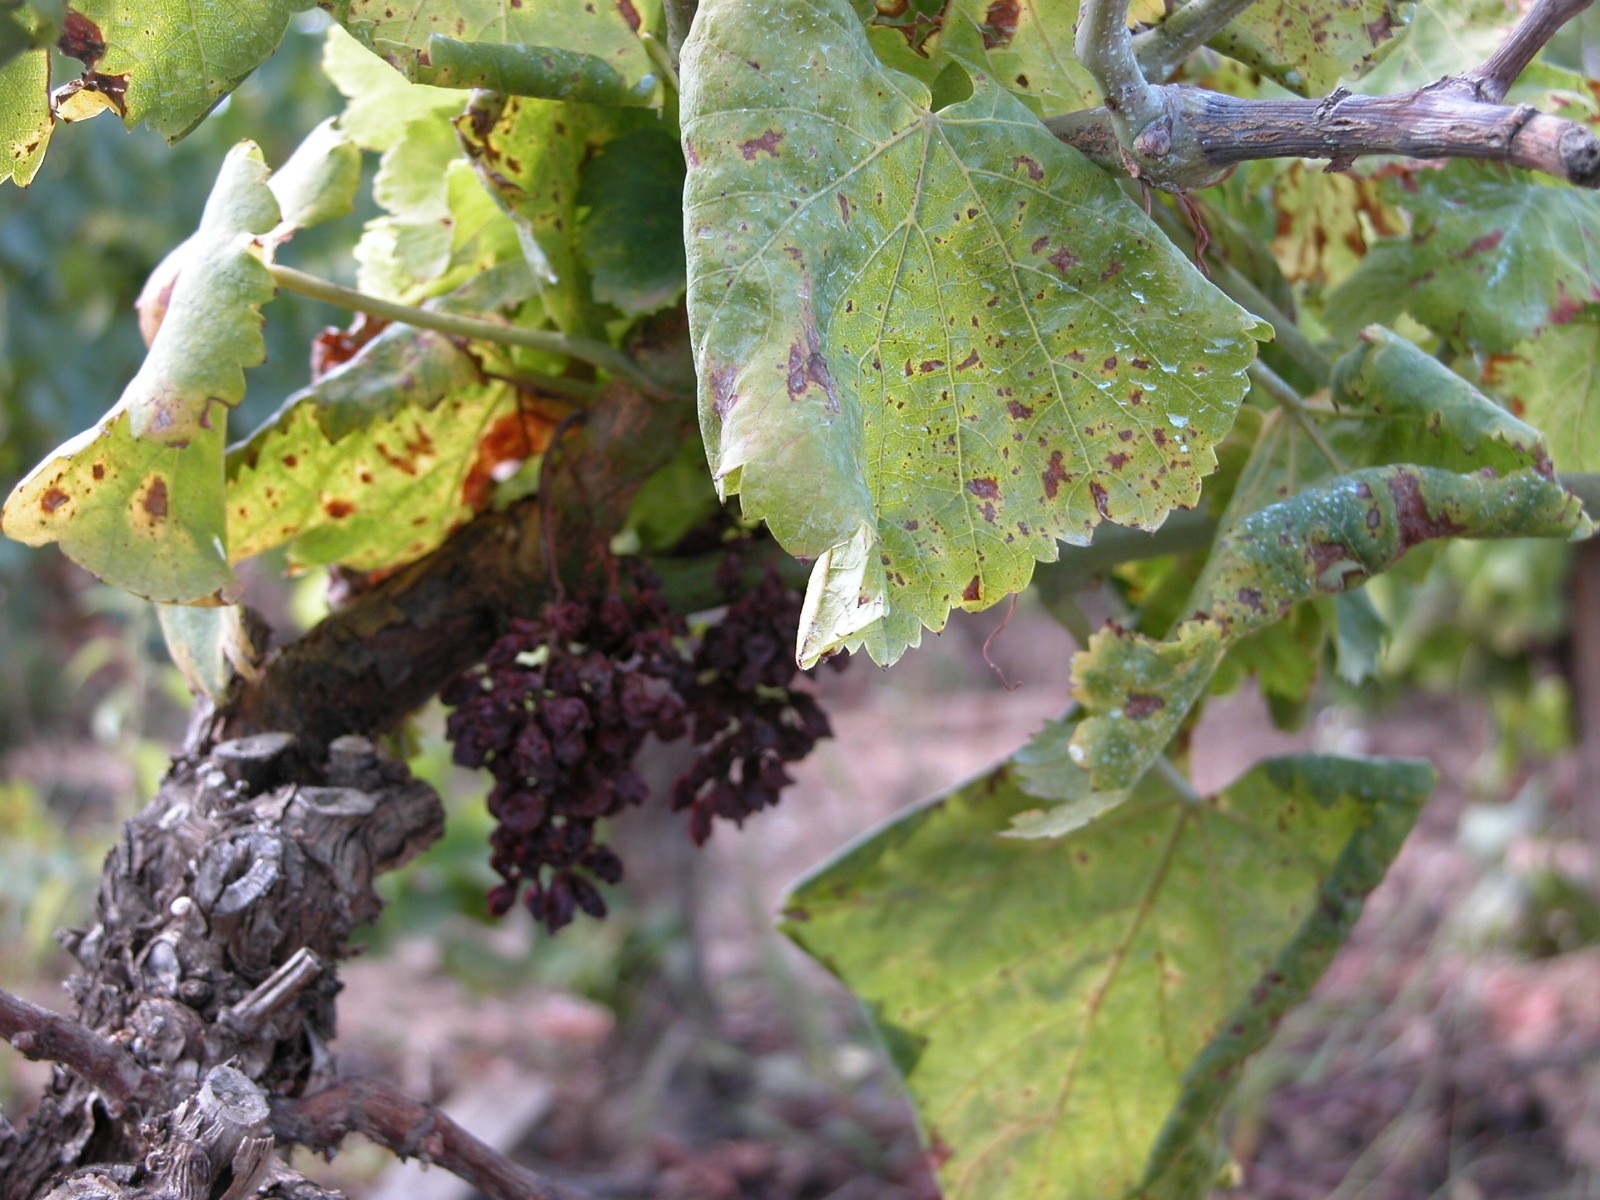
x=1441, y=39
x=1135, y=691
x=379, y=461
x=1300, y=524
x=438, y=227
x=632, y=240
x=1493, y=257
x=138, y=499
x=177, y=58
x=380, y=104
x=1027, y=47
x=529, y=155
x=318, y=182
x=543, y=71
x=210, y=646
x=1554, y=381
x=606, y=29
x=1070, y=1016
x=1315, y=45
x=1325, y=221
x=929, y=344
x=25, y=119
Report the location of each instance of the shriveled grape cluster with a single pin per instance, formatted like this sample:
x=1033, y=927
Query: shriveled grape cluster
x=561, y=706
x=747, y=719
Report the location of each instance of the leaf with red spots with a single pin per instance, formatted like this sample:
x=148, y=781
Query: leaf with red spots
x=1070, y=1016
x=1321, y=542
x=138, y=499
x=863, y=364
x=381, y=459
x=1493, y=256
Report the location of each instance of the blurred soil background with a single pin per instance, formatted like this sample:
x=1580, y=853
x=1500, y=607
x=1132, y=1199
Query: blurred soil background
x=681, y=1049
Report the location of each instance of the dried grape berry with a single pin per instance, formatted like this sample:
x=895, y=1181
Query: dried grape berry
x=559, y=709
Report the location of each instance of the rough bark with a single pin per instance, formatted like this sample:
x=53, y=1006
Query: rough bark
x=208, y=976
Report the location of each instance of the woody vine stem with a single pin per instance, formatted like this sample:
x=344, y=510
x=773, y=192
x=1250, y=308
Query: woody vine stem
x=1178, y=138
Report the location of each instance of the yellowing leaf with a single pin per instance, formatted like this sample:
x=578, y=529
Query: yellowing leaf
x=138, y=500
x=944, y=328
x=1553, y=379
x=376, y=463
x=1070, y=1016
x=25, y=119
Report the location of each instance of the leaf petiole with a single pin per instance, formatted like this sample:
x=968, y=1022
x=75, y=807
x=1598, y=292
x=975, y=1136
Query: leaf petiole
x=663, y=60
x=596, y=353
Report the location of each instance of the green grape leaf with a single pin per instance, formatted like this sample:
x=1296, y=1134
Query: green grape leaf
x=379, y=461
x=929, y=344
x=632, y=240
x=210, y=646
x=439, y=228
x=319, y=181
x=1135, y=691
x=138, y=499
x=1441, y=39
x=530, y=155
x=380, y=104
x=1492, y=258
x=172, y=60
x=25, y=118
x=1070, y=1016
x=605, y=29
x=1313, y=46
x=546, y=72
x=1553, y=379
x=1027, y=48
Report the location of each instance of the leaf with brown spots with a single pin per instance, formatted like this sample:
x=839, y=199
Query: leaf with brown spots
x=861, y=364
x=1309, y=48
x=1321, y=542
x=530, y=156
x=1554, y=381
x=1436, y=457
x=180, y=57
x=1493, y=257
x=1325, y=221
x=1024, y=46
x=138, y=499
x=377, y=462
x=25, y=119
x=1070, y=1016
